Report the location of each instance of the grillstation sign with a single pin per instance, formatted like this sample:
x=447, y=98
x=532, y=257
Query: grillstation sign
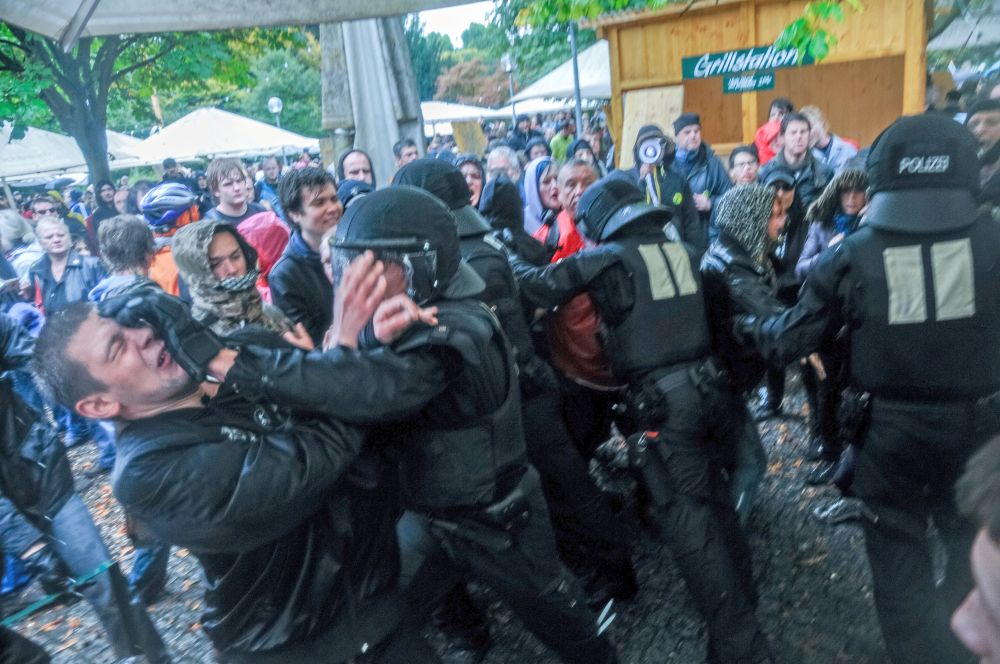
x=742, y=61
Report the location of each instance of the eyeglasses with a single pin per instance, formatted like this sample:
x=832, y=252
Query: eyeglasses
x=41, y=212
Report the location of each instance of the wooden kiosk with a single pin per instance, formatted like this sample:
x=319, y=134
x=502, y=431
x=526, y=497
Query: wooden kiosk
x=874, y=74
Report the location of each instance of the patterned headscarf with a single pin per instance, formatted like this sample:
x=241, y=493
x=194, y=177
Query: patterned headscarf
x=742, y=215
x=227, y=304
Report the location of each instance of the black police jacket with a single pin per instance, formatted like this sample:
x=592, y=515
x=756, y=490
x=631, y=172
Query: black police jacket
x=921, y=309
x=294, y=532
x=446, y=396
x=484, y=254
x=734, y=286
x=34, y=470
x=646, y=290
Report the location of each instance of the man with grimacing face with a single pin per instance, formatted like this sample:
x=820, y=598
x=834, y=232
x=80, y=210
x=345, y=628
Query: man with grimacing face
x=258, y=486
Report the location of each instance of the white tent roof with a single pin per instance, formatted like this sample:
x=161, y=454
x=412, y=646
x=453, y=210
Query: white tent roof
x=42, y=152
x=595, y=77
x=968, y=33
x=531, y=106
x=67, y=20
x=211, y=132
x=442, y=111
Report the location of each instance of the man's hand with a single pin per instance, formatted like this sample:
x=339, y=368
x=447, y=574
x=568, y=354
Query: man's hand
x=396, y=314
x=702, y=202
x=298, y=337
x=190, y=343
x=356, y=298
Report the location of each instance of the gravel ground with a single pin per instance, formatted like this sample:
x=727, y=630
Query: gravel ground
x=815, y=587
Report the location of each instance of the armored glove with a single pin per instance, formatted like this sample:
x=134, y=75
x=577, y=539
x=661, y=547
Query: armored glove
x=190, y=343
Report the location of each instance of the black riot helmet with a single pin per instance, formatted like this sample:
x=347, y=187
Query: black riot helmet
x=410, y=231
x=444, y=180
x=923, y=172
x=612, y=203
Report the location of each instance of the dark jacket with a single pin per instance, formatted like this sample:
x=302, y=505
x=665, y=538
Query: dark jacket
x=34, y=470
x=735, y=285
x=299, y=288
x=706, y=174
x=82, y=273
x=430, y=382
x=810, y=178
x=293, y=529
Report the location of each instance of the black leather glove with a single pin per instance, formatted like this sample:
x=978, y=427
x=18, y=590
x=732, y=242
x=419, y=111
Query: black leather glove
x=190, y=343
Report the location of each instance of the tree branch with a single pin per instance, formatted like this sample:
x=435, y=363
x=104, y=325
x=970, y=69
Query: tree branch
x=167, y=48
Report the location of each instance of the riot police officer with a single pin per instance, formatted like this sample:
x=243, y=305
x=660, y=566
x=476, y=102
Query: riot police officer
x=591, y=540
x=648, y=293
x=915, y=292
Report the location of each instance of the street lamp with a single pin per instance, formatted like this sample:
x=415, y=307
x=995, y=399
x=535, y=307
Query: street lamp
x=274, y=105
x=507, y=63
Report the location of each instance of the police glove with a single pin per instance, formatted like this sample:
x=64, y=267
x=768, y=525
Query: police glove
x=191, y=344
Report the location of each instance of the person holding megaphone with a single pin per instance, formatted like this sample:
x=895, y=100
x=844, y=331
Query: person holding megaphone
x=654, y=154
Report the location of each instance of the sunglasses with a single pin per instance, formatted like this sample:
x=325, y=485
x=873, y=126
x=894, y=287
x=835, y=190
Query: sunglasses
x=783, y=186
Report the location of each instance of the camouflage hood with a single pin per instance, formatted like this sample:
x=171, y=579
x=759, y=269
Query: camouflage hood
x=225, y=304
x=742, y=216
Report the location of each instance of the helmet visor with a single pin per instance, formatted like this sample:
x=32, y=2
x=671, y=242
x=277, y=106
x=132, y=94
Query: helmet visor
x=410, y=264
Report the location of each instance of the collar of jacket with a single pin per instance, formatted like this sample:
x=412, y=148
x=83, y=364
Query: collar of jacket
x=297, y=247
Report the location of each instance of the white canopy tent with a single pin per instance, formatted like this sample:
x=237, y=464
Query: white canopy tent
x=68, y=20
x=595, y=78
x=42, y=153
x=442, y=111
x=971, y=32
x=211, y=132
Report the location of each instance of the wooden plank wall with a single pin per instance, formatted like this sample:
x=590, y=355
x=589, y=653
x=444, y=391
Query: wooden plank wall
x=875, y=73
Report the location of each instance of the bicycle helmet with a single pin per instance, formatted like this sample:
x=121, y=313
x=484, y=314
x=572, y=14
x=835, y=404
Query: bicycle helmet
x=164, y=204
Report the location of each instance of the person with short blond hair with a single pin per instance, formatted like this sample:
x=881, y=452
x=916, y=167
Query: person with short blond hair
x=228, y=181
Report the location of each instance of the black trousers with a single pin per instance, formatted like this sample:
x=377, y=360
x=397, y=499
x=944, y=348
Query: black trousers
x=15, y=649
x=585, y=526
x=587, y=414
x=907, y=466
x=527, y=574
x=697, y=519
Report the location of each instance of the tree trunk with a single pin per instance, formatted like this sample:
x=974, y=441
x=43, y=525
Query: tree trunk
x=91, y=136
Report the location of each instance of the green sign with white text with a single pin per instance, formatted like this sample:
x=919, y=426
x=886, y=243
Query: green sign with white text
x=742, y=61
x=761, y=80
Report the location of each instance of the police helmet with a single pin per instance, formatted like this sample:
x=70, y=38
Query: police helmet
x=412, y=232
x=613, y=202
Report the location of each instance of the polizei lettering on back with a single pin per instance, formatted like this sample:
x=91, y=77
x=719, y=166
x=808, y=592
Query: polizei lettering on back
x=926, y=164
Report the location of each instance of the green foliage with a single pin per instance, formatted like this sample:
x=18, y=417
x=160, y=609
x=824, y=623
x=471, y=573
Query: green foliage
x=429, y=54
x=291, y=76
x=489, y=41
x=807, y=33
x=473, y=82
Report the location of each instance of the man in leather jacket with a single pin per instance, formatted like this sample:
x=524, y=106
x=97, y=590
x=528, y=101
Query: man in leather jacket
x=641, y=281
x=35, y=476
x=292, y=521
x=914, y=291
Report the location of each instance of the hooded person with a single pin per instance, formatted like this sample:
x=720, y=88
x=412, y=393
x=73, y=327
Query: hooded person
x=766, y=140
x=536, y=148
x=541, y=189
x=653, y=152
x=503, y=209
x=347, y=169
x=268, y=234
x=233, y=302
x=105, y=209
x=831, y=215
x=472, y=169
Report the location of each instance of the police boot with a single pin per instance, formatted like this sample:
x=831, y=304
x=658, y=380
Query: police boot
x=466, y=626
x=611, y=580
x=52, y=574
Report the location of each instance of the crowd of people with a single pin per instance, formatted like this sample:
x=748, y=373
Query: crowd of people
x=349, y=401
